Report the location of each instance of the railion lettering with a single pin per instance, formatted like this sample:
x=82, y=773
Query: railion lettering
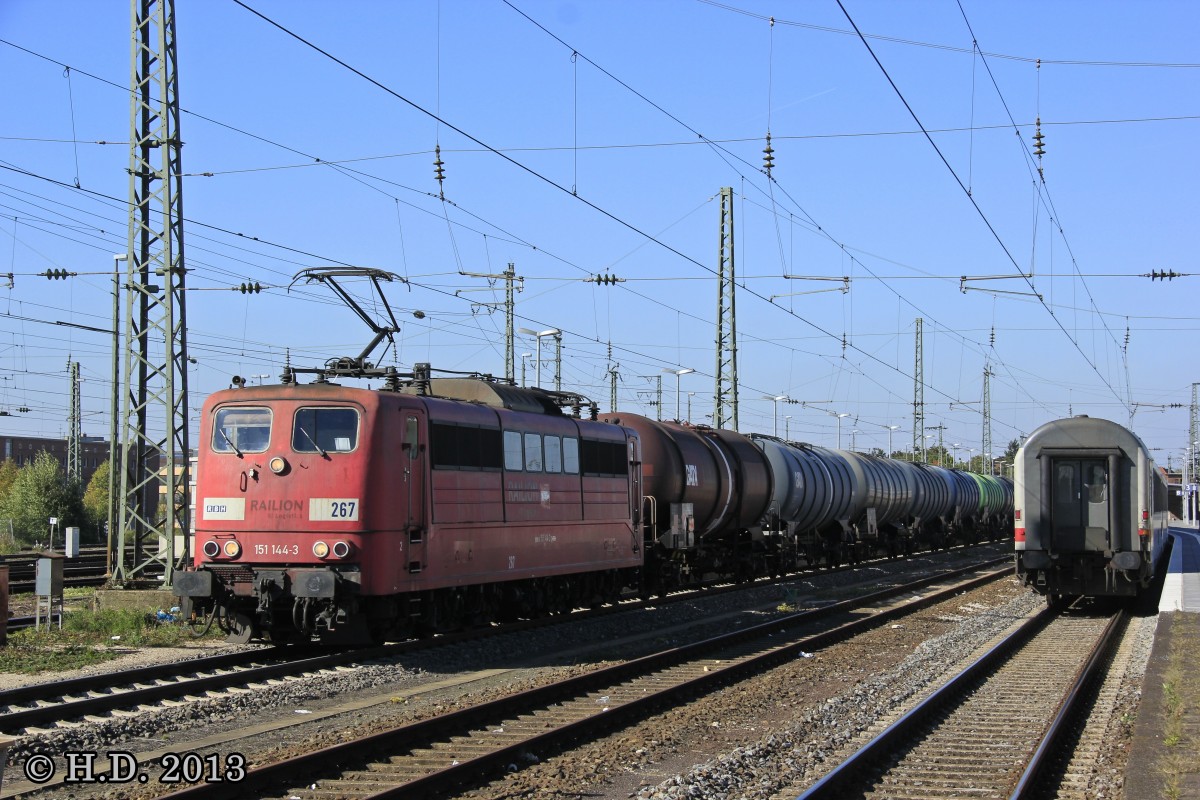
x=276, y=506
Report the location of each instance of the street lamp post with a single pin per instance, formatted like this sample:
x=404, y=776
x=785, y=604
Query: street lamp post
x=970, y=456
x=925, y=446
x=787, y=428
x=539, y=335
x=854, y=439
x=775, y=398
x=840, y=417
x=113, y=481
x=677, y=373
x=955, y=447
x=689, y=416
x=891, y=429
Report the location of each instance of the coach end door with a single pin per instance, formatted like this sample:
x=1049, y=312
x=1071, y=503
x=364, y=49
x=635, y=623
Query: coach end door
x=1080, y=504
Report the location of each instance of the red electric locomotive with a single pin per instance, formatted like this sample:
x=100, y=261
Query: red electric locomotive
x=354, y=515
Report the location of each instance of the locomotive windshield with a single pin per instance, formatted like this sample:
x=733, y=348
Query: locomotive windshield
x=325, y=430
x=242, y=430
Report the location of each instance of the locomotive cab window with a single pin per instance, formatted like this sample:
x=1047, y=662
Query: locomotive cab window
x=241, y=430
x=325, y=430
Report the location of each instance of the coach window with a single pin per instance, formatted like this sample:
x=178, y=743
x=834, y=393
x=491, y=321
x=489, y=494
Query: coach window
x=241, y=430
x=1097, y=486
x=1064, y=484
x=325, y=430
x=570, y=455
x=514, y=459
x=553, y=449
x=533, y=452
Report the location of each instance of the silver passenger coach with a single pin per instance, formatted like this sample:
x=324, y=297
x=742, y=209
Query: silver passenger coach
x=1090, y=514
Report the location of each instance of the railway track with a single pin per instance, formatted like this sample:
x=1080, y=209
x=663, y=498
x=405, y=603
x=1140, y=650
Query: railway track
x=433, y=756
x=989, y=731
x=60, y=703
x=88, y=569
x=21, y=623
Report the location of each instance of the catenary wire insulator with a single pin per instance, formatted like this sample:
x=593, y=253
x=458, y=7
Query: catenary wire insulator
x=439, y=171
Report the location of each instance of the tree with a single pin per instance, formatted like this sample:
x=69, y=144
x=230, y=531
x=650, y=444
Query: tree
x=39, y=492
x=8, y=474
x=95, y=499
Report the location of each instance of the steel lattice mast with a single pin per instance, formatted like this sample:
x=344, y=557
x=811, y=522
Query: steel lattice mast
x=154, y=480
x=987, y=418
x=74, y=425
x=1194, y=432
x=919, y=392
x=725, y=402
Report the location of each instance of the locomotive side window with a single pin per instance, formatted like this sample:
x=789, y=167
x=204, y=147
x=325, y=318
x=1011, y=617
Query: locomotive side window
x=465, y=447
x=242, y=430
x=570, y=456
x=325, y=430
x=533, y=452
x=553, y=448
x=514, y=459
x=604, y=458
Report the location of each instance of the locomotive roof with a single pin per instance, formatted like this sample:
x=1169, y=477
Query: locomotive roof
x=489, y=393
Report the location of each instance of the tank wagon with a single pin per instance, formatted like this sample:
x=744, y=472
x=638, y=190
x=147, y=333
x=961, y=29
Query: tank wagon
x=1091, y=510
x=721, y=502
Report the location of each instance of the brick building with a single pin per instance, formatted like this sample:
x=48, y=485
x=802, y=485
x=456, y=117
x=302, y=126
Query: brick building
x=93, y=451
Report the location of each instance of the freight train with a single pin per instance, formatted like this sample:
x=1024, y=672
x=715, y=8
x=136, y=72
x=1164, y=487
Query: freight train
x=1090, y=510
x=351, y=514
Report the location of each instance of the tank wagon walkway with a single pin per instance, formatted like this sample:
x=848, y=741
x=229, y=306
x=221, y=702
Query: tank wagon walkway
x=1165, y=756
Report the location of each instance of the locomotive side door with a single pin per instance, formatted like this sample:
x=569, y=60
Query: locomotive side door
x=413, y=465
x=1080, y=506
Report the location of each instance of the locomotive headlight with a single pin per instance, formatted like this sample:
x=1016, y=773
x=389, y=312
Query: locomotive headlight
x=211, y=548
x=342, y=549
x=278, y=465
x=320, y=550
x=232, y=549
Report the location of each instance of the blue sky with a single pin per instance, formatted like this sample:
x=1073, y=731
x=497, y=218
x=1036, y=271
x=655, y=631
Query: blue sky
x=585, y=138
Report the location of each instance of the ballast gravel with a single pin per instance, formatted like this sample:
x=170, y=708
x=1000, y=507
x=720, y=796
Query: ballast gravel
x=773, y=732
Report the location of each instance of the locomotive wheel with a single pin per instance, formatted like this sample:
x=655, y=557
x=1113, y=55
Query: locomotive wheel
x=241, y=628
